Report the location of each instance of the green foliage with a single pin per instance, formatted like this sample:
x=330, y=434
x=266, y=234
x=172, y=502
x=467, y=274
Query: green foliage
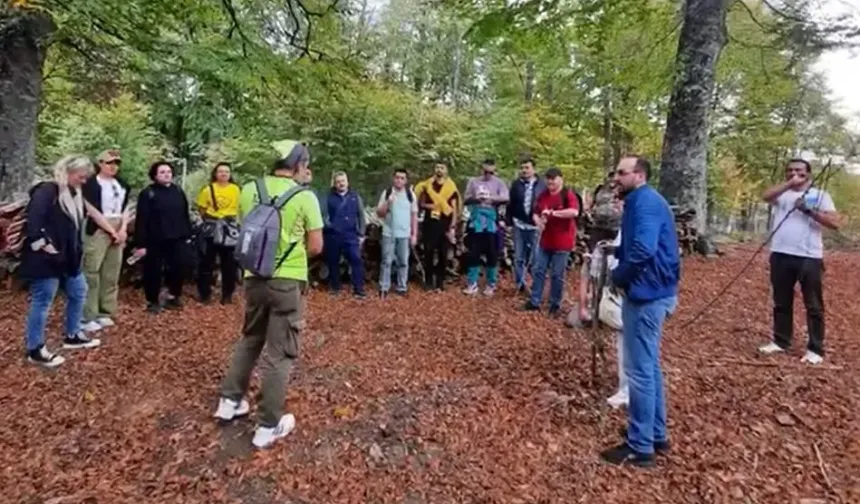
x=371, y=88
x=87, y=128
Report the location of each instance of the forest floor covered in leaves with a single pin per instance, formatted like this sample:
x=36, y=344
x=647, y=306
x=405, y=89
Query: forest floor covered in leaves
x=437, y=398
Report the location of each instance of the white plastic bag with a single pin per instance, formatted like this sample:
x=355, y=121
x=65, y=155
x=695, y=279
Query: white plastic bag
x=609, y=311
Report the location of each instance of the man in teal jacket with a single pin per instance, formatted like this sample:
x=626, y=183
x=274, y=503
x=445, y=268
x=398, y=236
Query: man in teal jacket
x=648, y=271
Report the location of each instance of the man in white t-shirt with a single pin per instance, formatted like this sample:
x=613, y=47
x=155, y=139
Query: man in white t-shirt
x=796, y=256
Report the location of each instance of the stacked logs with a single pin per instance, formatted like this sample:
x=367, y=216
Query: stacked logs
x=13, y=220
x=372, y=253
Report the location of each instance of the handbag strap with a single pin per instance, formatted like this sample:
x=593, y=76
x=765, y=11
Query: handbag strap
x=212, y=194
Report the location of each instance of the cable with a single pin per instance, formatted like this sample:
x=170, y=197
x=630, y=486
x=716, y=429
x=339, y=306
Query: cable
x=761, y=247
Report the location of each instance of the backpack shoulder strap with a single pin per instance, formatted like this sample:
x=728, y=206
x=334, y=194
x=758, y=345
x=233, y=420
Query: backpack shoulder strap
x=212, y=195
x=388, y=192
x=284, y=198
x=262, y=192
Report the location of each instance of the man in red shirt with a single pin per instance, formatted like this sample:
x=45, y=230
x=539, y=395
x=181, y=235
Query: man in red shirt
x=555, y=213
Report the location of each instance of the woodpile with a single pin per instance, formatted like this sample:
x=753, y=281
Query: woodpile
x=13, y=220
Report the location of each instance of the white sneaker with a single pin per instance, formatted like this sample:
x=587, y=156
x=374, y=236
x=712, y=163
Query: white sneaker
x=620, y=399
x=812, y=358
x=264, y=437
x=770, y=348
x=45, y=358
x=489, y=290
x=105, y=322
x=229, y=409
x=92, y=326
x=79, y=341
x=471, y=290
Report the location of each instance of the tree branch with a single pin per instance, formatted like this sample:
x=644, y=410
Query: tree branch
x=231, y=11
x=784, y=14
x=752, y=16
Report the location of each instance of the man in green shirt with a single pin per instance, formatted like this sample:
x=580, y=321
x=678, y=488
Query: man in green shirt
x=273, y=308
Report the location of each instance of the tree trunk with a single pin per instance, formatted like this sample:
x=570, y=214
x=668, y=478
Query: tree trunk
x=607, y=131
x=23, y=41
x=530, y=81
x=683, y=170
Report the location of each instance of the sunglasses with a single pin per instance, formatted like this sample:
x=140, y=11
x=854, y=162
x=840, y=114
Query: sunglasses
x=116, y=162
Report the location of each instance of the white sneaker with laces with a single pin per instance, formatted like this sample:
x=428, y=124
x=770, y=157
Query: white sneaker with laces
x=80, y=341
x=471, y=290
x=620, y=399
x=489, y=290
x=812, y=358
x=105, y=322
x=229, y=409
x=45, y=358
x=264, y=437
x=92, y=326
x=770, y=348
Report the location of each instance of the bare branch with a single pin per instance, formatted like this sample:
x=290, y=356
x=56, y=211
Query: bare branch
x=752, y=16
x=235, y=26
x=784, y=14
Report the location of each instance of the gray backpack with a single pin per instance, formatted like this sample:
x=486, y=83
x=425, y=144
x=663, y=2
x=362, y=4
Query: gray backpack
x=260, y=233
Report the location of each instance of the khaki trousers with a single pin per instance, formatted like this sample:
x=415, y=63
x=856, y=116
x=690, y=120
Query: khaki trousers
x=273, y=321
x=102, y=265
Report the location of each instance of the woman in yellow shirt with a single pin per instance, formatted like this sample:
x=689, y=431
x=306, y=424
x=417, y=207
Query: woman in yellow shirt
x=218, y=204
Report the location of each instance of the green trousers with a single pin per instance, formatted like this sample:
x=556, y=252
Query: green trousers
x=102, y=264
x=273, y=323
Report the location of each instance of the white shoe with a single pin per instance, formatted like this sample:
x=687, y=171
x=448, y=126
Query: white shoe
x=619, y=400
x=92, y=326
x=80, y=341
x=229, y=409
x=105, y=322
x=812, y=358
x=44, y=358
x=264, y=437
x=471, y=290
x=770, y=348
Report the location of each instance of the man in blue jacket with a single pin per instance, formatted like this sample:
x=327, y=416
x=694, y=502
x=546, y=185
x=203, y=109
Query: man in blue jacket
x=343, y=214
x=523, y=194
x=648, y=271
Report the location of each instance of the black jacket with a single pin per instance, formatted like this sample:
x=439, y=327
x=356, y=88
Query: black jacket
x=92, y=192
x=162, y=214
x=518, y=196
x=47, y=221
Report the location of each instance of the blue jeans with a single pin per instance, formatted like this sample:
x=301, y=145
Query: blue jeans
x=557, y=264
x=42, y=293
x=643, y=327
x=394, y=250
x=334, y=247
x=525, y=243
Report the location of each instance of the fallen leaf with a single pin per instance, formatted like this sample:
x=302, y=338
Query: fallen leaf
x=785, y=420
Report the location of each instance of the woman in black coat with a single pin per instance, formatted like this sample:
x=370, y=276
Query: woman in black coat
x=162, y=226
x=52, y=256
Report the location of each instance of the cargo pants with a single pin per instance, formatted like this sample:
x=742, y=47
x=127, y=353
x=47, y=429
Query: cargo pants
x=273, y=323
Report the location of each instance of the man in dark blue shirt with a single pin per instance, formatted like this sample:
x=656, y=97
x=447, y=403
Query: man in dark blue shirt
x=648, y=272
